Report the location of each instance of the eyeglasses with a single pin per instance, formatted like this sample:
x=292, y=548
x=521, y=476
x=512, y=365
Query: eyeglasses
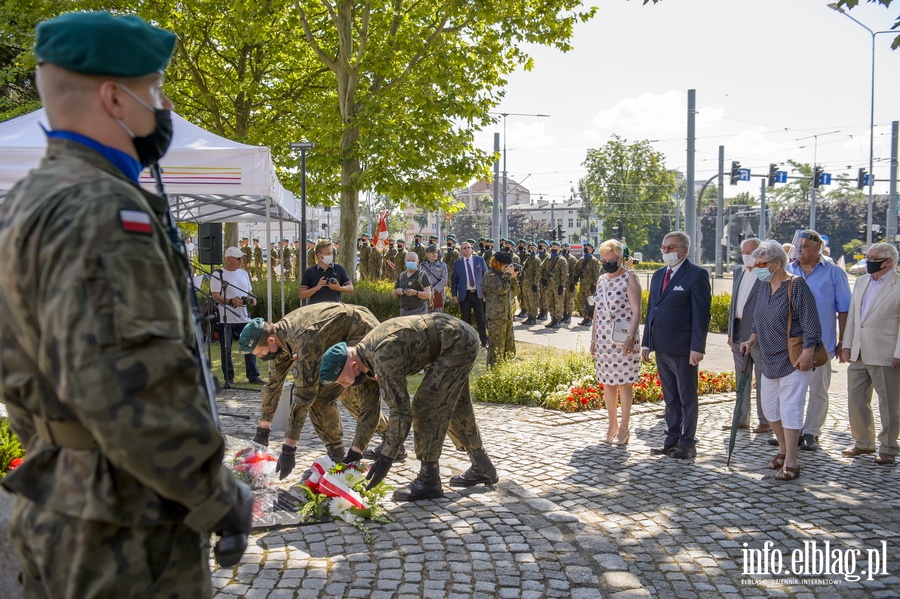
x=669, y=248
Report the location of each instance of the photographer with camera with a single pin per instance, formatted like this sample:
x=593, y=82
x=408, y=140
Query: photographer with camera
x=413, y=287
x=500, y=286
x=230, y=287
x=324, y=281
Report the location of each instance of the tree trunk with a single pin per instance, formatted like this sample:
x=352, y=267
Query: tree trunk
x=230, y=235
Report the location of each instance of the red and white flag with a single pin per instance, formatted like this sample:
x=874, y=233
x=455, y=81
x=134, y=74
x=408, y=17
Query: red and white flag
x=381, y=231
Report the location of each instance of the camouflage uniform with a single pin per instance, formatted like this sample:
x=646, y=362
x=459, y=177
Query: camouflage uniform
x=499, y=293
x=306, y=333
x=310, y=257
x=247, y=258
x=373, y=263
x=556, y=273
x=419, y=249
x=588, y=270
x=286, y=261
x=101, y=378
x=399, y=257
x=364, y=250
x=257, y=261
x=388, y=272
x=443, y=404
x=451, y=255
x=571, y=281
x=531, y=284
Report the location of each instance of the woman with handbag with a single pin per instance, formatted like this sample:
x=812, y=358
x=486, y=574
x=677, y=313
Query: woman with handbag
x=614, y=345
x=786, y=326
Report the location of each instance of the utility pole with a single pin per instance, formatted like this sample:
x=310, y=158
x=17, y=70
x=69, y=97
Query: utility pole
x=720, y=209
x=690, y=204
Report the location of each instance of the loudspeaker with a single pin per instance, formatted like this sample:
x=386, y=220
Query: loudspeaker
x=209, y=243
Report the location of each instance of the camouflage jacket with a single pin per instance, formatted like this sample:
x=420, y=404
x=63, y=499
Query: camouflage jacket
x=556, y=271
x=499, y=291
x=572, y=262
x=389, y=264
x=307, y=333
x=451, y=255
x=532, y=271
x=373, y=263
x=364, y=251
x=98, y=335
x=419, y=249
x=257, y=255
x=588, y=272
x=397, y=348
x=247, y=258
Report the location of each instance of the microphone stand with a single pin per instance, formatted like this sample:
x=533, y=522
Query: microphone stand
x=225, y=330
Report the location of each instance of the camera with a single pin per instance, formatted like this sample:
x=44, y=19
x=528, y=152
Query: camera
x=516, y=266
x=332, y=281
x=245, y=300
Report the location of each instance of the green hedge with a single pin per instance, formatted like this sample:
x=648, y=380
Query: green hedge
x=528, y=382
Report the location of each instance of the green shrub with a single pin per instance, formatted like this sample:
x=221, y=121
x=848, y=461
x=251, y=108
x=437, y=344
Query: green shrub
x=721, y=305
x=648, y=266
x=10, y=448
x=528, y=382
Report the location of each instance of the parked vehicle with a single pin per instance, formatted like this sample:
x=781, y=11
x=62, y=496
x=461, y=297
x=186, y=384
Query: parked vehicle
x=859, y=268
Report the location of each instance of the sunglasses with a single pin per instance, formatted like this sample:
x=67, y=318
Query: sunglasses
x=761, y=265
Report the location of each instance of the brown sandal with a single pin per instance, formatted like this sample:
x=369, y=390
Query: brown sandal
x=788, y=473
x=776, y=463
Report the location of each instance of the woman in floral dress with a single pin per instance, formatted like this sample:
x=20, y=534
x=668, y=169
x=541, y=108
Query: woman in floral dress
x=618, y=298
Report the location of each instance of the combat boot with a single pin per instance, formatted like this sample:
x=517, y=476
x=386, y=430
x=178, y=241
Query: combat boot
x=557, y=324
x=521, y=313
x=335, y=452
x=531, y=320
x=542, y=316
x=585, y=322
x=262, y=436
x=567, y=318
x=552, y=324
x=482, y=471
x=375, y=452
x=427, y=484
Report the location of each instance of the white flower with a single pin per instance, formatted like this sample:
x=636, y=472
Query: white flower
x=354, y=477
x=536, y=394
x=339, y=506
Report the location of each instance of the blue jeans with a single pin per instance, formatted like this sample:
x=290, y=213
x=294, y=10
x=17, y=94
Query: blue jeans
x=228, y=333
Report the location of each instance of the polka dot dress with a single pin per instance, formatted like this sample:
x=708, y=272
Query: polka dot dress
x=614, y=367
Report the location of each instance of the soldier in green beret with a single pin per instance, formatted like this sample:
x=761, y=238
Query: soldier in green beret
x=588, y=272
x=102, y=371
x=257, y=259
x=445, y=348
x=451, y=253
x=488, y=249
x=418, y=247
x=500, y=286
x=570, y=284
x=295, y=344
x=556, y=273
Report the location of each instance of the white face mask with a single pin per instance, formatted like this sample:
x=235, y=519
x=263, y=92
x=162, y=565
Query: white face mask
x=328, y=259
x=748, y=260
x=670, y=258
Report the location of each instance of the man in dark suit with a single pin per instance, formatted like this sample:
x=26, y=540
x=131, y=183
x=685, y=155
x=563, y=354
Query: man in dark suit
x=465, y=285
x=676, y=328
x=740, y=322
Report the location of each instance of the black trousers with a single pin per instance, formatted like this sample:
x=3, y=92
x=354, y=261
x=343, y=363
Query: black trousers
x=475, y=304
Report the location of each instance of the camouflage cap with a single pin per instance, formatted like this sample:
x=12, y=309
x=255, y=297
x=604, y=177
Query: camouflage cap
x=333, y=363
x=250, y=335
x=97, y=43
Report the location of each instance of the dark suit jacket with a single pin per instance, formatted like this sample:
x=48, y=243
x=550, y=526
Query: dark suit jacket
x=747, y=315
x=458, y=284
x=678, y=318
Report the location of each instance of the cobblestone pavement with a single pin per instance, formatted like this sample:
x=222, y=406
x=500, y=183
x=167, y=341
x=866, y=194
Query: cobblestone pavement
x=575, y=517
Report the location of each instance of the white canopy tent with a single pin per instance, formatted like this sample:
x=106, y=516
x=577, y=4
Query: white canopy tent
x=208, y=178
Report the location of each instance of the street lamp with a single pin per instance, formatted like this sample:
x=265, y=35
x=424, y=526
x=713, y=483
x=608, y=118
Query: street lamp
x=870, y=202
x=504, y=224
x=303, y=146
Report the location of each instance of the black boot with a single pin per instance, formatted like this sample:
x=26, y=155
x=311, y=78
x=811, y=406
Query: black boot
x=262, y=436
x=556, y=324
x=427, y=484
x=567, y=318
x=375, y=452
x=531, y=320
x=335, y=452
x=551, y=325
x=585, y=322
x=482, y=471
x=521, y=313
x=543, y=315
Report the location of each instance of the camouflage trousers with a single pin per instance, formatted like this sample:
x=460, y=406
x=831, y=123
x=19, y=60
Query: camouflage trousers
x=568, y=301
x=546, y=300
x=532, y=301
x=556, y=303
x=443, y=404
x=65, y=557
x=323, y=411
x=501, y=343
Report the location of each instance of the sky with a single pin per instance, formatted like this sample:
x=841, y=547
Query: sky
x=774, y=80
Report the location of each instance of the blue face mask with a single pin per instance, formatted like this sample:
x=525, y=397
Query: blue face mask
x=554, y=253
x=411, y=265
x=763, y=274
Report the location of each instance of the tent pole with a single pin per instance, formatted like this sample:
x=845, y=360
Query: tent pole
x=280, y=237
x=269, y=259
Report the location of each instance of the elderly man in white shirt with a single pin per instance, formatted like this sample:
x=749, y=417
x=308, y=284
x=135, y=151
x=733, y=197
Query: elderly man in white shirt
x=872, y=346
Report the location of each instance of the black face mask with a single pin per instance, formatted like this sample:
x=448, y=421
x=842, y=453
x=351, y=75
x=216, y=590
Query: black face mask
x=359, y=380
x=272, y=354
x=609, y=267
x=565, y=252
x=873, y=266
x=150, y=148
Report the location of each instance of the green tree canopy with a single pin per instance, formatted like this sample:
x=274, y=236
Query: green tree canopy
x=629, y=181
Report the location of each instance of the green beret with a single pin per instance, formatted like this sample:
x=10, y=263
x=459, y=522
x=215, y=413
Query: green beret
x=417, y=236
x=489, y=240
x=565, y=245
x=522, y=241
x=554, y=242
x=97, y=43
x=250, y=335
x=333, y=363
x=451, y=236
x=472, y=241
x=589, y=244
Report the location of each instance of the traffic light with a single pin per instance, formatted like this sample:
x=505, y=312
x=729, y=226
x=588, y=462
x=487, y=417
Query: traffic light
x=862, y=231
x=617, y=230
x=559, y=233
x=735, y=172
x=877, y=233
x=817, y=176
x=773, y=173
x=861, y=179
